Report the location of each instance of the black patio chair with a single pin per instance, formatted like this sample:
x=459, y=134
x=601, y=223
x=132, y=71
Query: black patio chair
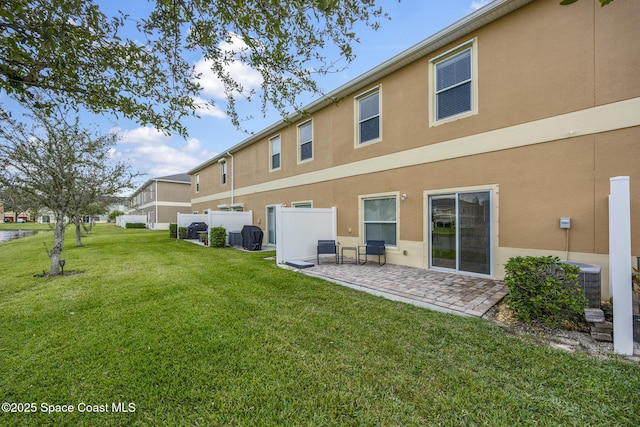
x=327, y=247
x=373, y=247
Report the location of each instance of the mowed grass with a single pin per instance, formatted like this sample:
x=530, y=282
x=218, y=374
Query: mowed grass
x=196, y=336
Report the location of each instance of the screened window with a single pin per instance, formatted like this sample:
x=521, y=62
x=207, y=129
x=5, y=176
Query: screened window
x=380, y=220
x=369, y=117
x=197, y=183
x=223, y=172
x=275, y=152
x=305, y=139
x=453, y=85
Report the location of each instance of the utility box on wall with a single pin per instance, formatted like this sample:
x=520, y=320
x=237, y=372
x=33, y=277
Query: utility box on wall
x=565, y=222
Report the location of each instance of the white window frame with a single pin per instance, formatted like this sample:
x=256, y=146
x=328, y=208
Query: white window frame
x=300, y=142
x=494, y=190
x=223, y=173
x=472, y=46
x=197, y=183
x=271, y=153
x=396, y=197
x=376, y=90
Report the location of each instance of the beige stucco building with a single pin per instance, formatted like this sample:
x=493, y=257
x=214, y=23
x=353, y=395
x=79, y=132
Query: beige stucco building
x=466, y=149
x=161, y=199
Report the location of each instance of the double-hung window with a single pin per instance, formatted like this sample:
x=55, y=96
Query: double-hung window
x=305, y=141
x=454, y=92
x=274, y=147
x=223, y=173
x=197, y=183
x=380, y=219
x=368, y=114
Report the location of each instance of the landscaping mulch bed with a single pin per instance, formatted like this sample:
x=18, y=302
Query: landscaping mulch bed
x=575, y=340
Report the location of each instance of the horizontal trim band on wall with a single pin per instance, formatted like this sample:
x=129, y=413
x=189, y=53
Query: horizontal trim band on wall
x=171, y=204
x=604, y=118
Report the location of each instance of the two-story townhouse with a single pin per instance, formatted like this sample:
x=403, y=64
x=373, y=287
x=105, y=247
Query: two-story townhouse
x=161, y=199
x=467, y=148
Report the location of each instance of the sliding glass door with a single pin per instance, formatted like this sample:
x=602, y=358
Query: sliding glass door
x=460, y=231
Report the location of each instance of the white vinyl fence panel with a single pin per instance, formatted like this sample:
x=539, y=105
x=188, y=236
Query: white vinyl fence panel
x=229, y=220
x=299, y=229
x=185, y=219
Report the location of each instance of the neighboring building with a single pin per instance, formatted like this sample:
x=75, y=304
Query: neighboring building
x=467, y=148
x=161, y=199
x=14, y=217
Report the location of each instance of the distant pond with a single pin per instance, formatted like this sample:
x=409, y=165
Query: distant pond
x=8, y=235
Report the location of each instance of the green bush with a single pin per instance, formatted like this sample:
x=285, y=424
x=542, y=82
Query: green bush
x=544, y=290
x=173, y=231
x=218, y=237
x=114, y=214
x=135, y=225
x=182, y=231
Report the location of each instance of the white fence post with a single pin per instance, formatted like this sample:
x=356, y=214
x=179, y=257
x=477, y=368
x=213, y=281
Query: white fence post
x=620, y=264
x=279, y=235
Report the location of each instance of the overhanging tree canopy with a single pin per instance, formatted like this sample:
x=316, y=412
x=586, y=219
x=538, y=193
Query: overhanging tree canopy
x=77, y=54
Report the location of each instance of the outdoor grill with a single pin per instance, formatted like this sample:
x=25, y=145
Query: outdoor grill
x=252, y=237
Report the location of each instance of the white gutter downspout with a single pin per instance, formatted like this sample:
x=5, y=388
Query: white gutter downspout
x=231, y=155
x=155, y=219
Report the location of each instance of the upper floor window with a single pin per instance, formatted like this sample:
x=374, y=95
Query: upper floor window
x=368, y=113
x=305, y=141
x=274, y=148
x=197, y=183
x=455, y=90
x=223, y=172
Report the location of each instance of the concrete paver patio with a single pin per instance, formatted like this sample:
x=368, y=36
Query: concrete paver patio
x=441, y=291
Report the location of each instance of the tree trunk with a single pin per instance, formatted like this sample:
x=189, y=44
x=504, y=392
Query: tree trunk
x=78, y=232
x=58, y=242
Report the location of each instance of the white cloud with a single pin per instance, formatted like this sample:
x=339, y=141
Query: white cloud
x=142, y=135
x=242, y=73
x=193, y=146
x=477, y=4
x=152, y=153
x=205, y=108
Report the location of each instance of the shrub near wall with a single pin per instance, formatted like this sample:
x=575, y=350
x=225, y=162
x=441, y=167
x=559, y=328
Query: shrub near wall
x=544, y=290
x=182, y=232
x=173, y=231
x=135, y=225
x=218, y=237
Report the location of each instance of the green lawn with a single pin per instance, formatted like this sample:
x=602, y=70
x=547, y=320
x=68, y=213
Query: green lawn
x=195, y=336
x=25, y=226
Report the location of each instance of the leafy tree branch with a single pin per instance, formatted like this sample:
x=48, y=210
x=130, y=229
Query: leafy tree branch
x=80, y=56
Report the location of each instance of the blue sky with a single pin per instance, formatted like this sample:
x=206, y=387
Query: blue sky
x=154, y=154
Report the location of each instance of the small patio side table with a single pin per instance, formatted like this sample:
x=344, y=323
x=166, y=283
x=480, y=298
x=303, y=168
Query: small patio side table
x=349, y=248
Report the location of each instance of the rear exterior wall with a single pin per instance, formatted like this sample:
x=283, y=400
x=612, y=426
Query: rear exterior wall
x=558, y=102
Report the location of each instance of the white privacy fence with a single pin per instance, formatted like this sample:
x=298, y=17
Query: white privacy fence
x=185, y=219
x=299, y=229
x=229, y=220
x=122, y=220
